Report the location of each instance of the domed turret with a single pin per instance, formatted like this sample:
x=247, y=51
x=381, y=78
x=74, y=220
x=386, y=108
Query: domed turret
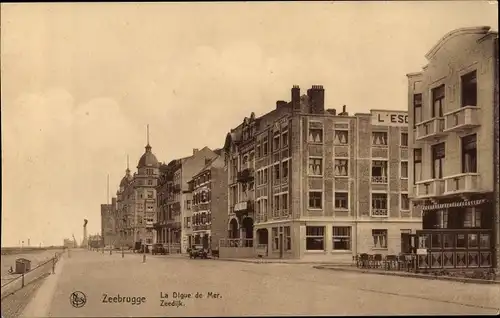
x=148, y=159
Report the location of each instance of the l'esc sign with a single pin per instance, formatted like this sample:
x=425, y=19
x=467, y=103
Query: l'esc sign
x=389, y=118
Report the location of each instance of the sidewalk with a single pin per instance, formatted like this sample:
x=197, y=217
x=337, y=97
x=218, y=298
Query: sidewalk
x=354, y=269
x=283, y=261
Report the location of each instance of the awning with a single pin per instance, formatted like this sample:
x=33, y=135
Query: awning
x=457, y=204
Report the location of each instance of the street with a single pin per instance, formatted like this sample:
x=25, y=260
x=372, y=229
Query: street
x=177, y=286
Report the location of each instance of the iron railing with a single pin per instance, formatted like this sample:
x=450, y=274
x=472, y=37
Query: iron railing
x=40, y=271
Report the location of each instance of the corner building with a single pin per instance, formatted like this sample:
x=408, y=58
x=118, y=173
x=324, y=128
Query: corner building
x=305, y=182
x=453, y=107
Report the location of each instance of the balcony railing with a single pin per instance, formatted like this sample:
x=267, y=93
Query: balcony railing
x=379, y=212
x=243, y=206
x=245, y=175
x=430, y=188
x=462, y=183
x=463, y=118
x=430, y=129
x=379, y=179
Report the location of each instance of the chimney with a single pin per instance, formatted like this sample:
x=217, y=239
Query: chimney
x=280, y=103
x=195, y=150
x=344, y=111
x=332, y=111
x=316, y=99
x=296, y=98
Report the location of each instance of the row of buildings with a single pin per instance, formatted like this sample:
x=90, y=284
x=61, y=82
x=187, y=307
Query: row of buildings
x=307, y=181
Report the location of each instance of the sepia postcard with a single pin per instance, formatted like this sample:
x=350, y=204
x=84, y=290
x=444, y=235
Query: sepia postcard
x=281, y=158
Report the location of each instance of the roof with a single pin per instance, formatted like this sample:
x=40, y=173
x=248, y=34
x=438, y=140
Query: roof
x=148, y=159
x=216, y=162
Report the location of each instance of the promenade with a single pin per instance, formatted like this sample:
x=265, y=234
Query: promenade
x=177, y=286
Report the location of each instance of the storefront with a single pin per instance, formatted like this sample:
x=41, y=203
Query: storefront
x=457, y=234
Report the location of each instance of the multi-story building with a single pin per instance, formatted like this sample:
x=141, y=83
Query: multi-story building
x=174, y=208
x=453, y=116
x=109, y=228
x=136, y=201
x=308, y=182
x=209, y=191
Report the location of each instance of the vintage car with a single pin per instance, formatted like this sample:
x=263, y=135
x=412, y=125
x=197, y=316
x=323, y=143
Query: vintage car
x=158, y=249
x=198, y=251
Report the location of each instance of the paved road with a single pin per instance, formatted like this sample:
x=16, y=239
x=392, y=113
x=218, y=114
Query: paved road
x=251, y=289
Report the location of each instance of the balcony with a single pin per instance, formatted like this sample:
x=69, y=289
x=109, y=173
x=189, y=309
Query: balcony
x=430, y=188
x=430, y=129
x=243, y=207
x=379, y=179
x=245, y=175
x=463, y=118
x=462, y=183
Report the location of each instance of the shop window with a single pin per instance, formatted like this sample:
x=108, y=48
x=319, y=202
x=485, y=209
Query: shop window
x=315, y=238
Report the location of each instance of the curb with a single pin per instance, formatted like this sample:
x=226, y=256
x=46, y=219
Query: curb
x=264, y=261
x=412, y=275
x=39, y=306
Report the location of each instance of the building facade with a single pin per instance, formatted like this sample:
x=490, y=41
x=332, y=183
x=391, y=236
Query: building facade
x=109, y=226
x=174, y=208
x=308, y=182
x=137, y=200
x=209, y=203
x=453, y=106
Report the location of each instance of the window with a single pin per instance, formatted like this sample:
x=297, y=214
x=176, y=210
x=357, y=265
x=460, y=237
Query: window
x=275, y=238
x=341, y=200
x=404, y=139
x=284, y=139
x=437, y=101
x=379, y=238
x=404, y=169
x=258, y=150
x=469, y=154
x=316, y=135
x=341, y=137
x=379, y=204
x=266, y=175
x=379, y=171
x=264, y=147
x=150, y=194
x=341, y=167
x=284, y=201
x=288, y=238
x=341, y=238
x=188, y=204
x=472, y=217
x=315, y=166
x=276, y=203
x=150, y=182
x=284, y=169
x=315, y=238
x=438, y=152
x=417, y=165
x=277, y=172
x=379, y=138
x=276, y=142
x=417, y=109
x=315, y=199
x=405, y=202
x=469, y=89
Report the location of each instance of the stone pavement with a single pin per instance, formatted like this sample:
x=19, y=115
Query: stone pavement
x=235, y=289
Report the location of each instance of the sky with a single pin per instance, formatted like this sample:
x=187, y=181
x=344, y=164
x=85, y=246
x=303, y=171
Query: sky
x=80, y=82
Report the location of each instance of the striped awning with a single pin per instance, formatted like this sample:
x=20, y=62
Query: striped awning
x=456, y=204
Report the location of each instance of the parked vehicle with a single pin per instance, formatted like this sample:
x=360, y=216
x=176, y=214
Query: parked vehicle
x=158, y=249
x=214, y=253
x=198, y=251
